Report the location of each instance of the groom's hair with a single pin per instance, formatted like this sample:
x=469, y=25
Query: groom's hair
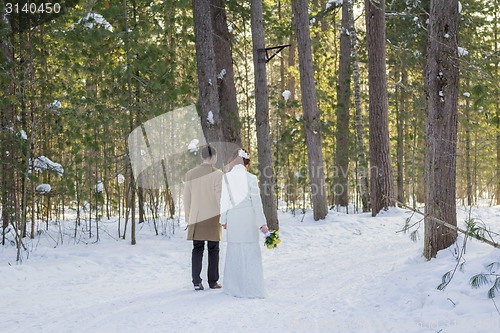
x=207, y=152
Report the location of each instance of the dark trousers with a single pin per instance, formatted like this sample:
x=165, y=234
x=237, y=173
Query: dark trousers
x=213, y=261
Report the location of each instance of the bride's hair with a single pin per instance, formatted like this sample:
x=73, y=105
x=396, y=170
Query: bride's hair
x=239, y=156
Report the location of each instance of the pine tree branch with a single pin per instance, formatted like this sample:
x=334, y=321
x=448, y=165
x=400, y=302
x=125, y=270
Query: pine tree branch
x=496, y=307
x=449, y=275
x=450, y=226
x=320, y=15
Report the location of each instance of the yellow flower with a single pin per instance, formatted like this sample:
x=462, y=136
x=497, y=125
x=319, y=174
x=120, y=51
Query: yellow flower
x=272, y=241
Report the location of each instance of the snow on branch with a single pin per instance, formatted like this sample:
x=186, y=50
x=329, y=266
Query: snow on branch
x=329, y=7
x=222, y=73
x=210, y=118
x=43, y=163
x=193, y=146
x=92, y=20
x=286, y=94
x=43, y=188
x=334, y=3
x=99, y=187
x=462, y=52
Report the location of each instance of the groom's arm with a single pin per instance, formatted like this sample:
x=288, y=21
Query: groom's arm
x=187, y=199
x=218, y=188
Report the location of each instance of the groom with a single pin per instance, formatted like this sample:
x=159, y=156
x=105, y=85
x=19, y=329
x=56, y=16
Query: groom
x=203, y=185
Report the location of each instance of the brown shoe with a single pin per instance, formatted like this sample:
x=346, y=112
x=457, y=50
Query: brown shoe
x=215, y=286
x=198, y=287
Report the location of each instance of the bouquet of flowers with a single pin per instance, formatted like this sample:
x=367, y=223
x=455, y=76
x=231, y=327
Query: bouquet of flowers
x=272, y=239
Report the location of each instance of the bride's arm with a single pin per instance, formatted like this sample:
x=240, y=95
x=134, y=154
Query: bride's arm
x=260, y=218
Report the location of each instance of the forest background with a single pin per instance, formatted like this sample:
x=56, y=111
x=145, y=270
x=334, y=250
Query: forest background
x=74, y=84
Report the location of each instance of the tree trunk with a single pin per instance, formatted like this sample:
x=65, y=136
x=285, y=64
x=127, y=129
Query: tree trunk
x=6, y=146
x=24, y=86
x=208, y=100
x=419, y=128
x=291, y=64
x=468, y=186
x=266, y=172
x=497, y=106
x=132, y=200
x=132, y=123
x=291, y=180
x=341, y=185
x=382, y=189
x=401, y=116
x=230, y=120
x=360, y=131
x=441, y=126
x=282, y=81
x=140, y=202
x=312, y=122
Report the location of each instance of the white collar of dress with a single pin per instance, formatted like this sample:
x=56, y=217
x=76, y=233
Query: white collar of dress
x=239, y=167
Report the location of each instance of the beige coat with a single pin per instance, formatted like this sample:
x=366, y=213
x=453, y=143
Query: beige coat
x=202, y=190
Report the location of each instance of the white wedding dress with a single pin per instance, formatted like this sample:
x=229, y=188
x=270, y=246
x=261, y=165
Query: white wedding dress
x=241, y=211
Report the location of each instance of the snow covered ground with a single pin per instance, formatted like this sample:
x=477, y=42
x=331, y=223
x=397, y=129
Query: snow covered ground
x=349, y=273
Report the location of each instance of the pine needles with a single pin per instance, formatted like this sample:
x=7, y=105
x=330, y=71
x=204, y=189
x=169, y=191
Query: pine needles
x=491, y=277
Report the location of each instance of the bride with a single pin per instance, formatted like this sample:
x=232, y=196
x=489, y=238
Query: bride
x=242, y=215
